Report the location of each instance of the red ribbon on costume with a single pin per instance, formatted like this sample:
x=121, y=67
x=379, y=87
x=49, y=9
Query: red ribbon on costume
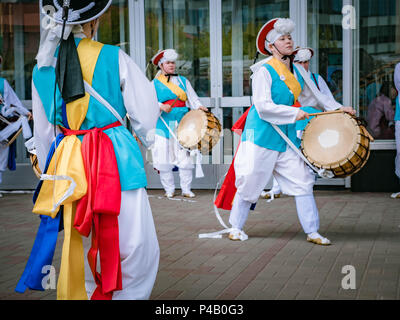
x=228, y=189
x=98, y=210
x=176, y=104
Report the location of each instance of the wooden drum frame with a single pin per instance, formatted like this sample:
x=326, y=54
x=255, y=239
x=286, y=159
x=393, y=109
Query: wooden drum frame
x=338, y=142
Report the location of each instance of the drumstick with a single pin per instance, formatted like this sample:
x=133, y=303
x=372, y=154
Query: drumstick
x=323, y=113
x=15, y=137
x=173, y=103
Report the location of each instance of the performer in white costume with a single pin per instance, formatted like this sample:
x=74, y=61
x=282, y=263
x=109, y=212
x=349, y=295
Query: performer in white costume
x=176, y=97
x=10, y=108
x=397, y=125
x=303, y=57
x=262, y=152
x=117, y=88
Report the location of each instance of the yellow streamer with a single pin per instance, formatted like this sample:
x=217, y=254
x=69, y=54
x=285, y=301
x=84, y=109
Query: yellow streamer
x=290, y=80
x=173, y=87
x=71, y=281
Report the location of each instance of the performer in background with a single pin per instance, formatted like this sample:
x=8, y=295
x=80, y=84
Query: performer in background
x=310, y=105
x=277, y=85
x=13, y=116
x=97, y=163
x=397, y=125
x=176, y=96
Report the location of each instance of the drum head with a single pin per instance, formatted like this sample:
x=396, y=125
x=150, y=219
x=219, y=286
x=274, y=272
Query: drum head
x=330, y=139
x=192, y=128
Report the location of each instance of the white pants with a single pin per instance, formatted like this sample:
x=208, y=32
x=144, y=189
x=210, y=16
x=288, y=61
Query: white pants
x=139, y=248
x=254, y=167
x=167, y=180
x=166, y=155
x=397, y=134
x=4, y=150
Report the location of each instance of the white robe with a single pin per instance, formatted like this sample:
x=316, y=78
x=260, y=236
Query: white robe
x=138, y=240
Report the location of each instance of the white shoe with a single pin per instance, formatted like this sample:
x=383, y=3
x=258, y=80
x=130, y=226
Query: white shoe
x=169, y=194
x=270, y=195
x=395, y=195
x=236, y=235
x=189, y=194
x=316, y=238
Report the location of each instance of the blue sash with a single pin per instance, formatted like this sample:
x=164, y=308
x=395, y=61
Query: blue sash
x=45, y=243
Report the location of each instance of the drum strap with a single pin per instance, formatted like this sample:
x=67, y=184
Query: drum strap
x=323, y=173
x=197, y=153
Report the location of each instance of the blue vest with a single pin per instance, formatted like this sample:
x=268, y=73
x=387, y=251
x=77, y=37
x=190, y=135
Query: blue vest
x=175, y=116
x=261, y=132
x=2, y=91
x=106, y=82
x=397, y=114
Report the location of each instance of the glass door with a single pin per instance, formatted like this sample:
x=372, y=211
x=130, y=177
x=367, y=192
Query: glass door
x=240, y=22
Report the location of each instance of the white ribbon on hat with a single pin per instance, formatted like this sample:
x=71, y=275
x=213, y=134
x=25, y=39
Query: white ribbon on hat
x=51, y=34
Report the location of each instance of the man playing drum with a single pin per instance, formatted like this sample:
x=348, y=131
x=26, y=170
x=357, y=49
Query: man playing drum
x=13, y=116
x=309, y=104
x=277, y=84
x=176, y=96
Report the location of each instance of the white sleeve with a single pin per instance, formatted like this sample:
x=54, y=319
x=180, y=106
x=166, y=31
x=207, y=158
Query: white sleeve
x=397, y=77
x=310, y=90
x=140, y=99
x=11, y=98
x=43, y=130
x=324, y=88
x=194, y=101
x=262, y=100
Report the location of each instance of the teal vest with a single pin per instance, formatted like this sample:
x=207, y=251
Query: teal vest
x=175, y=116
x=261, y=132
x=106, y=82
x=397, y=114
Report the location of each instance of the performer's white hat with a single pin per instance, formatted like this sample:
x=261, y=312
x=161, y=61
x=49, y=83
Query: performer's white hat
x=271, y=31
x=303, y=54
x=163, y=56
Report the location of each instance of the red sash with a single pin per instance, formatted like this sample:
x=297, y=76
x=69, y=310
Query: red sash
x=177, y=104
x=98, y=210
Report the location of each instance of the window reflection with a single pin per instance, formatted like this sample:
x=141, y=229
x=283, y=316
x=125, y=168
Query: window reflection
x=378, y=53
x=184, y=26
x=114, y=27
x=241, y=21
x=325, y=35
x=19, y=42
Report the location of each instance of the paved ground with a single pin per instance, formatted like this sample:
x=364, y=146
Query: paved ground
x=275, y=263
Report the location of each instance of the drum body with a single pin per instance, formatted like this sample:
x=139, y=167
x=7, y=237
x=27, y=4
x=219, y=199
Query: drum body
x=338, y=142
x=200, y=130
x=35, y=165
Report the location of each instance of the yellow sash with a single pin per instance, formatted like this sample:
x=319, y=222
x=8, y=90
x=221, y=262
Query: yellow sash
x=68, y=156
x=289, y=78
x=180, y=93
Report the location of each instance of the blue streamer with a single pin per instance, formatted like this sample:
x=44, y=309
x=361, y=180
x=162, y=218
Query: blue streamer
x=45, y=243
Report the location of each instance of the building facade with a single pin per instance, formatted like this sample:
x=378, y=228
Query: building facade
x=356, y=43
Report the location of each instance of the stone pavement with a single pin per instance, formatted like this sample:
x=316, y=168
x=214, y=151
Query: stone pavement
x=275, y=263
